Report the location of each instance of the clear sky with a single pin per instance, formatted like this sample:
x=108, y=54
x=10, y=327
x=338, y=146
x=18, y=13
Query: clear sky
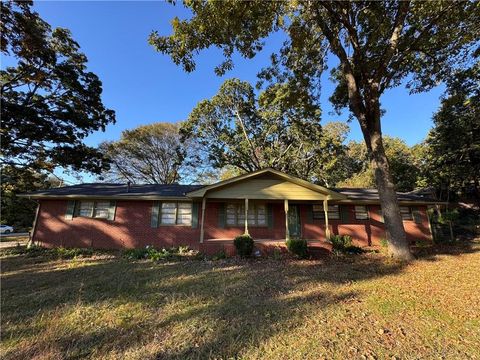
x=144, y=86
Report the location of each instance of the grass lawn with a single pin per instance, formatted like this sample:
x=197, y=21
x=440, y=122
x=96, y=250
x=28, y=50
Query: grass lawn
x=6, y=238
x=362, y=306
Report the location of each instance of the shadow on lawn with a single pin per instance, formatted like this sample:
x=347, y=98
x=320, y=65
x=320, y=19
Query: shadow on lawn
x=205, y=309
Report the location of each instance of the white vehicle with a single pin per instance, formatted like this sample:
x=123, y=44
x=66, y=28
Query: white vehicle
x=5, y=229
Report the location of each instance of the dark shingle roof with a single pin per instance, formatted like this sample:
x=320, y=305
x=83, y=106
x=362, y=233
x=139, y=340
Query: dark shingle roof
x=372, y=195
x=98, y=190
x=118, y=190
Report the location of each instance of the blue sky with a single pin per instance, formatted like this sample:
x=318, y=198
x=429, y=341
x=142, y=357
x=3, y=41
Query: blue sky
x=144, y=86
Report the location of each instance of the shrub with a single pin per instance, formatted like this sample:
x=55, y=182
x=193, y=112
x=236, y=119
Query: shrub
x=149, y=252
x=244, y=245
x=298, y=247
x=136, y=253
x=341, y=242
x=277, y=253
x=220, y=255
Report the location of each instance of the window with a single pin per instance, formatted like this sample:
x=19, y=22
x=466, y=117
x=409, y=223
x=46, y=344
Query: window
x=361, y=212
x=235, y=214
x=86, y=209
x=94, y=209
x=319, y=214
x=101, y=209
x=406, y=213
x=172, y=213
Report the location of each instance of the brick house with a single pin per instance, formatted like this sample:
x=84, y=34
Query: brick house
x=269, y=205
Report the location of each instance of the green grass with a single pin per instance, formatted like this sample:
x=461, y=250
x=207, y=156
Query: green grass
x=366, y=305
x=7, y=238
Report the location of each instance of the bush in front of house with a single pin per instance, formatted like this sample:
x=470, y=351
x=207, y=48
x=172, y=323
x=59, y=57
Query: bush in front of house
x=343, y=244
x=298, y=247
x=150, y=253
x=244, y=245
x=53, y=253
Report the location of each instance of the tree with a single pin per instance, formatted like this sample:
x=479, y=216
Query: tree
x=400, y=157
x=153, y=154
x=453, y=145
x=50, y=102
x=378, y=46
x=20, y=212
x=237, y=128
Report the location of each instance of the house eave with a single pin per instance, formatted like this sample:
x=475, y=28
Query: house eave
x=110, y=197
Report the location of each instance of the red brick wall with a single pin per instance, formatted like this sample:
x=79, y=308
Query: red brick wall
x=364, y=232
x=131, y=227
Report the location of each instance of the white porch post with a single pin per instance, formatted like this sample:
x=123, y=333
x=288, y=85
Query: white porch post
x=204, y=200
x=325, y=210
x=246, y=216
x=287, y=233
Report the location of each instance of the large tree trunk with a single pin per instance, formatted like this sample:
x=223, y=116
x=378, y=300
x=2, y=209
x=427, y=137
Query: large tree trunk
x=397, y=240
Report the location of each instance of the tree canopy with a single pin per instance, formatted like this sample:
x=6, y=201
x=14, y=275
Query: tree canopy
x=249, y=132
x=453, y=145
x=153, y=154
x=50, y=101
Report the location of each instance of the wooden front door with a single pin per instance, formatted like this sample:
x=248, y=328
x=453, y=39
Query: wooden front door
x=294, y=227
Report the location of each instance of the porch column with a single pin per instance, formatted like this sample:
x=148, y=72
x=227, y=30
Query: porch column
x=204, y=200
x=246, y=216
x=325, y=210
x=287, y=233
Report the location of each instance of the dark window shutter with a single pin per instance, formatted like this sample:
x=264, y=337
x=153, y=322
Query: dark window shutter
x=270, y=216
x=155, y=213
x=195, y=215
x=111, y=210
x=417, y=215
x=221, y=215
x=344, y=216
x=310, y=214
x=70, y=210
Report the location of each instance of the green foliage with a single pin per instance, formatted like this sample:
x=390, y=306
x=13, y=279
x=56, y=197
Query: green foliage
x=384, y=243
x=20, y=212
x=50, y=102
x=220, y=255
x=452, y=157
x=239, y=129
x=54, y=253
x=277, y=253
x=244, y=245
x=298, y=247
x=153, y=154
x=359, y=172
x=150, y=253
x=343, y=244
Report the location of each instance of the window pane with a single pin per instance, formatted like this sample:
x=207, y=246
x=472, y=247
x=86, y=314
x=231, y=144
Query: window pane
x=231, y=214
x=168, y=213
x=251, y=216
x=184, y=219
x=405, y=212
x=361, y=212
x=318, y=212
x=261, y=220
x=333, y=212
x=86, y=208
x=101, y=209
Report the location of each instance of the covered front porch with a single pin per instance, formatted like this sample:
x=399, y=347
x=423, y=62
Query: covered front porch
x=268, y=205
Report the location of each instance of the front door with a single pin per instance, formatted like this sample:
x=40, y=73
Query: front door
x=294, y=222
